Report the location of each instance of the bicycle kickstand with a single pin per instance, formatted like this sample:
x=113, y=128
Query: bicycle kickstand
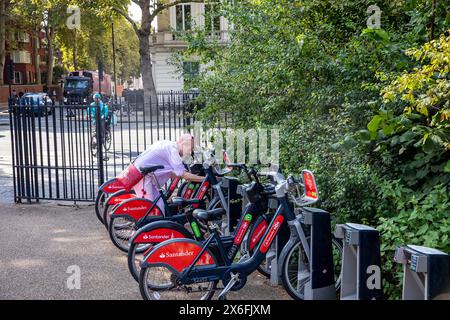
x=231, y=283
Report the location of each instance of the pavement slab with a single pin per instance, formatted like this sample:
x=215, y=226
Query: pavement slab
x=39, y=242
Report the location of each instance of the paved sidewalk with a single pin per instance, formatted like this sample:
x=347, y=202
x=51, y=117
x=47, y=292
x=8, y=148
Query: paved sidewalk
x=39, y=242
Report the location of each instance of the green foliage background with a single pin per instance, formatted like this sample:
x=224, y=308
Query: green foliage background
x=366, y=109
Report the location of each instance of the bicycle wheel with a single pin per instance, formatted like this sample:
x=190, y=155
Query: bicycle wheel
x=121, y=230
x=160, y=283
x=137, y=251
x=107, y=141
x=296, y=273
x=99, y=205
x=94, y=145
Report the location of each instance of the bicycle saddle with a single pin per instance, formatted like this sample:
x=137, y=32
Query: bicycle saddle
x=180, y=201
x=150, y=169
x=208, y=215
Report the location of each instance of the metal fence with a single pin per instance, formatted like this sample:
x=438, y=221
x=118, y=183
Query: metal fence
x=54, y=147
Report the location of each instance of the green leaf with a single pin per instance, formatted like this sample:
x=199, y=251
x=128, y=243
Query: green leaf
x=374, y=124
x=447, y=167
x=387, y=130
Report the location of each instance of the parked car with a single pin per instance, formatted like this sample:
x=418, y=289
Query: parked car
x=40, y=102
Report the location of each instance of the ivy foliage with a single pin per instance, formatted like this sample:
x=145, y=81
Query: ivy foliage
x=365, y=109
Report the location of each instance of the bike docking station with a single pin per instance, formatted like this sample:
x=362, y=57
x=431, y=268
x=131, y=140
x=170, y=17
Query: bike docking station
x=321, y=283
x=273, y=255
x=426, y=273
x=361, y=262
x=234, y=203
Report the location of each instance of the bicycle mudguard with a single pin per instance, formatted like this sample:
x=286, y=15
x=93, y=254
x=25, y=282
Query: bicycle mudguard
x=178, y=254
x=120, y=196
x=111, y=186
x=160, y=231
x=135, y=208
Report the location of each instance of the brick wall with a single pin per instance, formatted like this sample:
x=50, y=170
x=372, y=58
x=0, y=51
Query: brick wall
x=4, y=90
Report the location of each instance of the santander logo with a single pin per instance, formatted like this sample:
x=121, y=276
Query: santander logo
x=176, y=254
x=135, y=208
x=271, y=235
x=157, y=236
x=114, y=187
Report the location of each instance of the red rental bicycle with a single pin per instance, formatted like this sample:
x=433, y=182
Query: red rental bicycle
x=130, y=215
x=189, y=269
x=115, y=191
x=157, y=232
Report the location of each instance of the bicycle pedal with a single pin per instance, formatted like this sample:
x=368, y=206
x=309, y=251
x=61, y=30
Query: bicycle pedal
x=230, y=284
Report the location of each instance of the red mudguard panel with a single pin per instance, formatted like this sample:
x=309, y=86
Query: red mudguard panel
x=113, y=186
x=189, y=191
x=118, y=199
x=310, y=185
x=202, y=192
x=258, y=233
x=179, y=255
x=136, y=208
x=271, y=234
x=129, y=177
x=174, y=184
x=158, y=235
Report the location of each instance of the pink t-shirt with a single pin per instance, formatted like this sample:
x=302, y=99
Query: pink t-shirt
x=163, y=153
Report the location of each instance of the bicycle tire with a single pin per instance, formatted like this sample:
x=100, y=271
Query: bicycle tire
x=144, y=287
x=99, y=204
x=107, y=140
x=298, y=294
x=123, y=244
x=93, y=146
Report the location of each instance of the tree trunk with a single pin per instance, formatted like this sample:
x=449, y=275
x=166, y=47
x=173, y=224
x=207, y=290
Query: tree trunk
x=50, y=55
x=37, y=60
x=433, y=18
x=144, y=52
x=75, y=63
x=2, y=39
x=146, y=69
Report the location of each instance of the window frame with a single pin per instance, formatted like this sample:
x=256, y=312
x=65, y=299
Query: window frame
x=183, y=17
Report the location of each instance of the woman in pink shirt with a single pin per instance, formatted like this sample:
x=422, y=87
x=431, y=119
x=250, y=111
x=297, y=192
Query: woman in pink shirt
x=170, y=155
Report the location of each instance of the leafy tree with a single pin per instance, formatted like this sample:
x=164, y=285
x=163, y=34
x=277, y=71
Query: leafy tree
x=4, y=9
x=313, y=70
x=150, y=10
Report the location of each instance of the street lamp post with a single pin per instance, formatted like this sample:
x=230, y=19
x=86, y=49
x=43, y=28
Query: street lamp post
x=114, y=60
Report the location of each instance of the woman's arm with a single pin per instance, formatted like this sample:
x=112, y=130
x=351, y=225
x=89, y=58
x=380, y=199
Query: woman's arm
x=192, y=177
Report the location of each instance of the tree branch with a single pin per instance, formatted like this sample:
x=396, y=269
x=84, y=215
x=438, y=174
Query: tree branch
x=138, y=2
x=128, y=18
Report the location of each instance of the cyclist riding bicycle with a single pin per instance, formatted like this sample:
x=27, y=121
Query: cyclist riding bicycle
x=103, y=112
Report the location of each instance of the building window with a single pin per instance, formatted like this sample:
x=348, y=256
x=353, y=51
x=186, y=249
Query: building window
x=183, y=17
x=212, y=19
x=21, y=57
x=18, y=77
x=22, y=36
x=191, y=69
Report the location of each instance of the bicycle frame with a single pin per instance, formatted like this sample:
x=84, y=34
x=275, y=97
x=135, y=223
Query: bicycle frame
x=193, y=273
